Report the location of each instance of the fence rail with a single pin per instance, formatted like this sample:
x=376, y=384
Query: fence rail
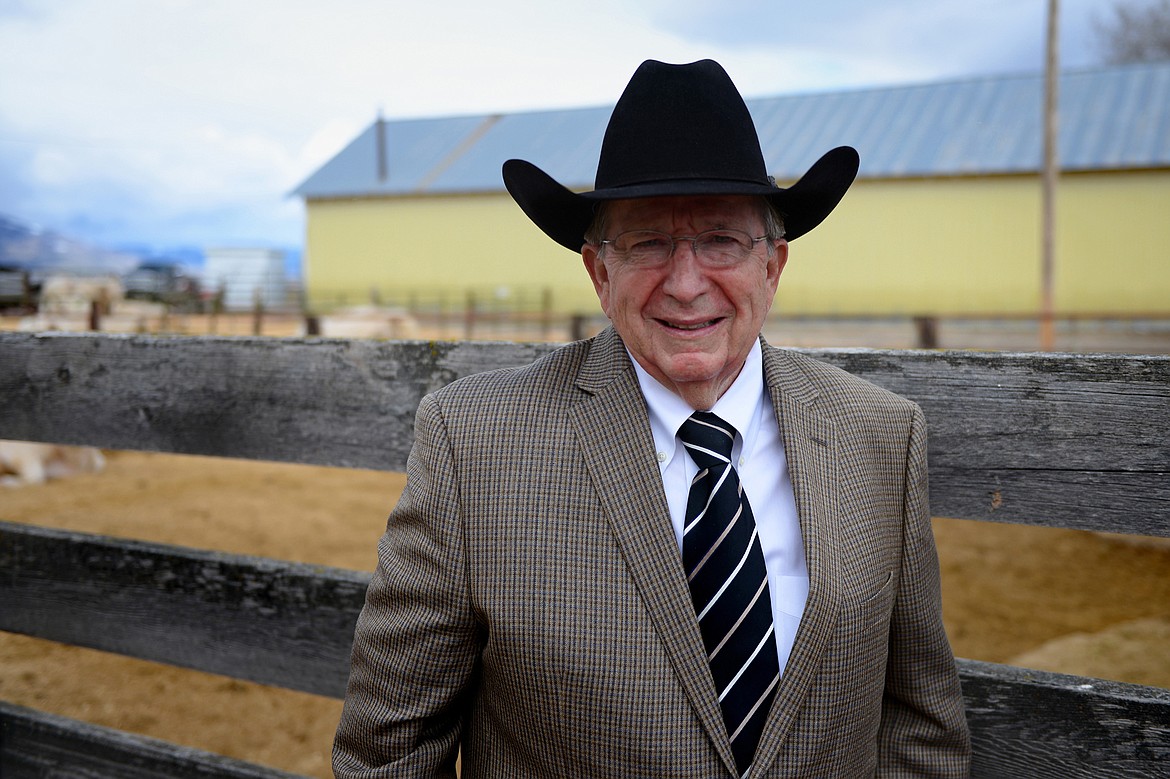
x=1073, y=441
x=1057, y=440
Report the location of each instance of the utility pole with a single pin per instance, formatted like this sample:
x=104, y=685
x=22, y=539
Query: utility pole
x=1050, y=176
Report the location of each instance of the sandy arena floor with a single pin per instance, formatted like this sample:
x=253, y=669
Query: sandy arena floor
x=1060, y=600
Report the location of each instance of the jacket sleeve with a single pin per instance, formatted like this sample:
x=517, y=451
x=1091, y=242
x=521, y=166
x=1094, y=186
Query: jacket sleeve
x=416, y=642
x=923, y=728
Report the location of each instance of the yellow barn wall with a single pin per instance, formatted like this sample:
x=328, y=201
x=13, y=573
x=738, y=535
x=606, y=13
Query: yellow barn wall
x=940, y=246
x=955, y=246
x=480, y=242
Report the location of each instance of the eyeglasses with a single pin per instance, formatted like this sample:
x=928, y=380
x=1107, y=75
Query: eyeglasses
x=713, y=248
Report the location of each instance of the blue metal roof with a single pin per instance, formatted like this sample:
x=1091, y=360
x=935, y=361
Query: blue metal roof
x=1112, y=118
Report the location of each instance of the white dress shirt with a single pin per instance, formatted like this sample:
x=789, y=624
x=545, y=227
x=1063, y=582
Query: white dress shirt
x=763, y=470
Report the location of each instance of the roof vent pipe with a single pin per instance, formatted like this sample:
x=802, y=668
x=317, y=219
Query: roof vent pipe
x=380, y=139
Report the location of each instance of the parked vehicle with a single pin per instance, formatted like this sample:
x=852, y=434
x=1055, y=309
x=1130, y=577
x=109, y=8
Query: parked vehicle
x=162, y=282
x=18, y=289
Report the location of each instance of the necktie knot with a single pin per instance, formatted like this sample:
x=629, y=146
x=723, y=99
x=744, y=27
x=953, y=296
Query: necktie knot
x=707, y=438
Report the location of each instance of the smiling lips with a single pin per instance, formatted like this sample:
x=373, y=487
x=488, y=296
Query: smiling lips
x=691, y=326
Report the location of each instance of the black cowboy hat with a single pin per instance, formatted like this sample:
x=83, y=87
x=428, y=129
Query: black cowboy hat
x=679, y=130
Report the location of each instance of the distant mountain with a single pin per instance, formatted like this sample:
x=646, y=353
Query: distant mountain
x=47, y=251
x=11, y=230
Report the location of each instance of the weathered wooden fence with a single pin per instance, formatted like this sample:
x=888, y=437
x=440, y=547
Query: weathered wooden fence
x=1058, y=440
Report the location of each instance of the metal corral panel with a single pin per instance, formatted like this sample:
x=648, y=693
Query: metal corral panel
x=1113, y=118
x=246, y=277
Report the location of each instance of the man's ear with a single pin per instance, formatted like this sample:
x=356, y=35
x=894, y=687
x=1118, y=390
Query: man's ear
x=598, y=273
x=777, y=259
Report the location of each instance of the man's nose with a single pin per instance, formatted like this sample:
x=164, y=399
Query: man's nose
x=685, y=278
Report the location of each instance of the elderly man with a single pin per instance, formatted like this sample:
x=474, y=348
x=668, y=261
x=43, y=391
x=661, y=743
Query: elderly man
x=671, y=550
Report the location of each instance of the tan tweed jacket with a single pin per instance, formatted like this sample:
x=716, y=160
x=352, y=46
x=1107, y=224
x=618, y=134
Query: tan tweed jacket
x=529, y=604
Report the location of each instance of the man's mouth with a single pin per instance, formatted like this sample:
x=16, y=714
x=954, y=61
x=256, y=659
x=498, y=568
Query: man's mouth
x=688, y=325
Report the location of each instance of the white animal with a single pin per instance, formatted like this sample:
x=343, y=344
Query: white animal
x=62, y=294
x=25, y=462
x=367, y=322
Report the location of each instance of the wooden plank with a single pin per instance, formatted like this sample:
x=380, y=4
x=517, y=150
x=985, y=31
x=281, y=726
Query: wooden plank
x=1037, y=725
x=1062, y=440
x=1076, y=441
x=36, y=745
x=328, y=402
x=1077, y=728
x=1025, y=724
x=266, y=621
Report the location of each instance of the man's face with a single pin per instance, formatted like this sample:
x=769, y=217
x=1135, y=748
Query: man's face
x=689, y=326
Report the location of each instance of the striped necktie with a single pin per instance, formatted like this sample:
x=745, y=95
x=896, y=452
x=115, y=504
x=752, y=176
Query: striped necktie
x=729, y=585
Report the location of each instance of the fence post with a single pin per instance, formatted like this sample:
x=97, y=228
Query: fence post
x=469, y=316
x=27, y=300
x=546, y=312
x=577, y=327
x=927, y=329
x=216, y=310
x=257, y=313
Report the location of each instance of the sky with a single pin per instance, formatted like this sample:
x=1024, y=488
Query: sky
x=189, y=122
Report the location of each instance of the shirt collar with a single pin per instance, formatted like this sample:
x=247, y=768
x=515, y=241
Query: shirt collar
x=738, y=406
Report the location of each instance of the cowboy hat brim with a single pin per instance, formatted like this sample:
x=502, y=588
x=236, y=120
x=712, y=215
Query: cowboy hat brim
x=565, y=215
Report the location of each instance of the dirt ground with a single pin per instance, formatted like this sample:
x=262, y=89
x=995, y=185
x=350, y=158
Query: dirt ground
x=1058, y=600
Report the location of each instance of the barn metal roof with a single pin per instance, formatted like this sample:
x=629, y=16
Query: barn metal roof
x=1111, y=118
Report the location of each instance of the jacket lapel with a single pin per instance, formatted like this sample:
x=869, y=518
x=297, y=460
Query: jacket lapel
x=612, y=424
x=810, y=446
